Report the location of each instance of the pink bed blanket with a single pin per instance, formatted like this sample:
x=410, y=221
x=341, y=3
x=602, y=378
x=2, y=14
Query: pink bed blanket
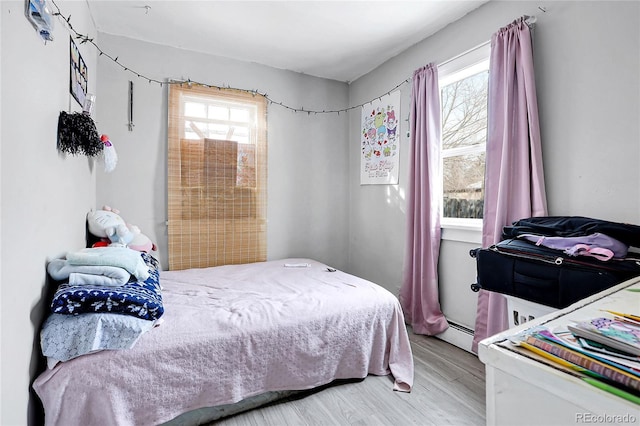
x=232, y=332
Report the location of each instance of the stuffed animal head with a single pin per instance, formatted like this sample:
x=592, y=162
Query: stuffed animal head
x=108, y=224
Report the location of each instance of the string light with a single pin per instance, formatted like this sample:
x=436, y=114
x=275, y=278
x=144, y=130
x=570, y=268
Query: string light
x=83, y=39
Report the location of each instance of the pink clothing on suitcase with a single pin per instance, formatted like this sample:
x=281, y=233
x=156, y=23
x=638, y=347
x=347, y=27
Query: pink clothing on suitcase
x=596, y=245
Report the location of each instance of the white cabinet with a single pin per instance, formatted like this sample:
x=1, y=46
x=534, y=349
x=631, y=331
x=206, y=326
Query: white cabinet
x=522, y=390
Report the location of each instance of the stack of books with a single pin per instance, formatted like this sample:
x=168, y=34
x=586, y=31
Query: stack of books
x=602, y=351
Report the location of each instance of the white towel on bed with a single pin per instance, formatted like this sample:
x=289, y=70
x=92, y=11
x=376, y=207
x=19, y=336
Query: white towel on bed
x=122, y=257
x=60, y=269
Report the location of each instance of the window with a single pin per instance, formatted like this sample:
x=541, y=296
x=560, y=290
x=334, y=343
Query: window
x=464, y=87
x=216, y=177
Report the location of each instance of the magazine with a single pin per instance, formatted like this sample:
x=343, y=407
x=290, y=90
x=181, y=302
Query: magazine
x=590, y=345
x=620, y=335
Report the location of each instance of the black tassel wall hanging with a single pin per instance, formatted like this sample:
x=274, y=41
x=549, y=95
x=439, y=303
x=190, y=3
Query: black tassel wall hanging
x=77, y=134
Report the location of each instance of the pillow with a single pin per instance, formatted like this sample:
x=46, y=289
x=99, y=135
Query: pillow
x=64, y=337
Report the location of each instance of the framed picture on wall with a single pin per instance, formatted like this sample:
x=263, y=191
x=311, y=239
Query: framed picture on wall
x=78, y=74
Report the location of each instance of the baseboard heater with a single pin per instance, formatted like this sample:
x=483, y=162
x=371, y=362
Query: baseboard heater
x=461, y=328
x=458, y=335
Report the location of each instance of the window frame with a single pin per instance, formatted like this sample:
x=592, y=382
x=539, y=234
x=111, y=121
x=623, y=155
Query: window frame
x=458, y=68
x=250, y=124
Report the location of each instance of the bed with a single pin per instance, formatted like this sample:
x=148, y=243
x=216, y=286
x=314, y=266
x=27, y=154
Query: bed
x=235, y=336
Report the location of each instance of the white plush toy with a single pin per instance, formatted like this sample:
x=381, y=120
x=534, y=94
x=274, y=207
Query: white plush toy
x=106, y=223
x=140, y=242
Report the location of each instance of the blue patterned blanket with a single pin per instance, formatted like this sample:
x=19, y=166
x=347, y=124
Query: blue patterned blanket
x=141, y=299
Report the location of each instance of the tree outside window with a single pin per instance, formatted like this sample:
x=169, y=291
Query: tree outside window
x=464, y=129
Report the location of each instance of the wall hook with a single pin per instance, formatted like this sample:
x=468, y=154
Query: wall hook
x=130, y=125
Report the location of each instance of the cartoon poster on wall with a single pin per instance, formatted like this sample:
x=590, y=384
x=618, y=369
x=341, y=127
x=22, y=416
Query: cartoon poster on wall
x=380, y=141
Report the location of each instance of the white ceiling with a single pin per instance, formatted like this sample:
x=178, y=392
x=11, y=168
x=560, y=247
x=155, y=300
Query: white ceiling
x=340, y=40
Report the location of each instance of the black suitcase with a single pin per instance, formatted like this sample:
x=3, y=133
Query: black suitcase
x=573, y=226
x=519, y=268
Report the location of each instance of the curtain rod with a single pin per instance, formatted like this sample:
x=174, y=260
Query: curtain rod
x=529, y=20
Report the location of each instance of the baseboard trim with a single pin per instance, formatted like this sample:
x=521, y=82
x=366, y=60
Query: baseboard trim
x=458, y=335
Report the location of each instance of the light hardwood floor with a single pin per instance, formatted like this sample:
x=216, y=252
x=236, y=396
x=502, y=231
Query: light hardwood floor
x=448, y=390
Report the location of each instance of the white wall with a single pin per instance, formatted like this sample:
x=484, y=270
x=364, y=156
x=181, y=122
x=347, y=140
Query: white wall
x=307, y=156
x=45, y=196
x=587, y=60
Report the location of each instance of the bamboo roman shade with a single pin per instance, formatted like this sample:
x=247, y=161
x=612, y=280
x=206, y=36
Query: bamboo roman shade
x=217, y=176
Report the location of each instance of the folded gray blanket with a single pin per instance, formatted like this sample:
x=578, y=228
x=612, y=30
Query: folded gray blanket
x=61, y=269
